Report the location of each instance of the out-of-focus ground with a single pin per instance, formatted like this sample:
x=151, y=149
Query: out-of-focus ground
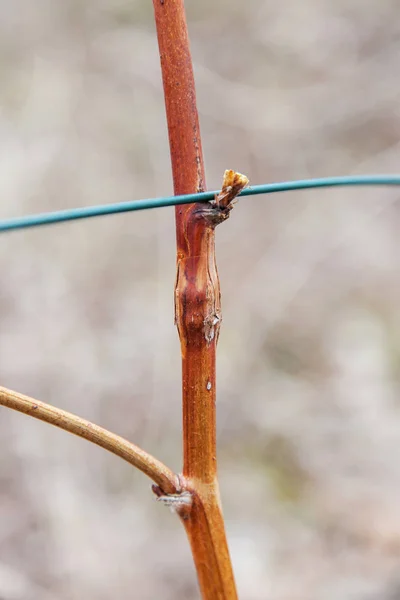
x=309, y=354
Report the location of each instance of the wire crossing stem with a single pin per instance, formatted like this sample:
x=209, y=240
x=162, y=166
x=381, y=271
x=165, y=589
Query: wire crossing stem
x=197, y=308
x=74, y=214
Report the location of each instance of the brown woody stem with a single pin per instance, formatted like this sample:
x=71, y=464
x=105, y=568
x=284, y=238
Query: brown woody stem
x=150, y=466
x=197, y=307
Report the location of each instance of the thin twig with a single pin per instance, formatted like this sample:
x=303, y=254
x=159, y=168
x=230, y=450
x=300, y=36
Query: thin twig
x=137, y=457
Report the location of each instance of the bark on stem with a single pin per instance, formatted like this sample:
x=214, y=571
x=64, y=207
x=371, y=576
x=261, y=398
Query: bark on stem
x=197, y=308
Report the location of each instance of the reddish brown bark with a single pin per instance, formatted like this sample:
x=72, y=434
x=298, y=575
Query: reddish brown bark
x=197, y=308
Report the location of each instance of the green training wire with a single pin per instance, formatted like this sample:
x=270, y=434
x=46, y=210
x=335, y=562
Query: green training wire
x=121, y=207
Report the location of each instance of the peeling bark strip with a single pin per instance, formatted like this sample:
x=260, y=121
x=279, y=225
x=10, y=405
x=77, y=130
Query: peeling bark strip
x=197, y=292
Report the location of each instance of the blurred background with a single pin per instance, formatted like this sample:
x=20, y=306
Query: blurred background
x=309, y=353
